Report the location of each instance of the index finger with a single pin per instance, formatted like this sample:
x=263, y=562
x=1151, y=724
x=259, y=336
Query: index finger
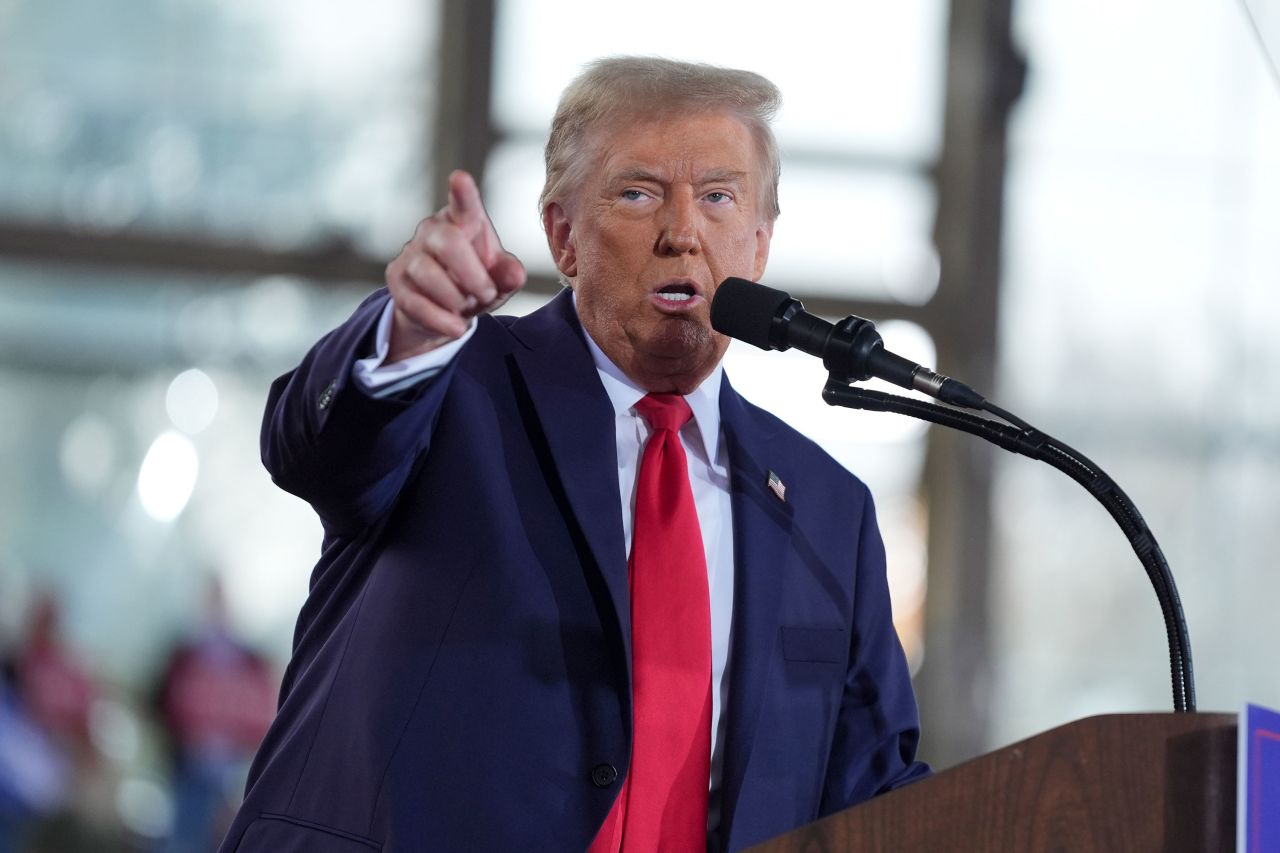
x=466, y=210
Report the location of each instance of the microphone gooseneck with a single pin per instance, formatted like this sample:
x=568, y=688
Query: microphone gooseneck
x=852, y=351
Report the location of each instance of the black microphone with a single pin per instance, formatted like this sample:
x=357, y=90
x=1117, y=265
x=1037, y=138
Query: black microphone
x=851, y=350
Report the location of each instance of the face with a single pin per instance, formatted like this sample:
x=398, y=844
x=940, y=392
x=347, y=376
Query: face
x=670, y=209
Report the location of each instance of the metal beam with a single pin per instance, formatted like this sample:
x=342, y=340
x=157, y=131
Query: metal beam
x=463, y=130
x=335, y=262
x=984, y=78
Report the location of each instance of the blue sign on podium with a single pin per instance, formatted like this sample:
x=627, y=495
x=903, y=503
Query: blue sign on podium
x=1258, y=787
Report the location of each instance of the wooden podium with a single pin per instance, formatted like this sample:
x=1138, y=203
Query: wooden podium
x=1114, y=783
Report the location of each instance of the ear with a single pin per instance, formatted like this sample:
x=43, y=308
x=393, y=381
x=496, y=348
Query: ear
x=559, y=230
x=764, y=234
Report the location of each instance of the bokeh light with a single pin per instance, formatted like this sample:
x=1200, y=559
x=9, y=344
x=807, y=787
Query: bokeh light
x=168, y=476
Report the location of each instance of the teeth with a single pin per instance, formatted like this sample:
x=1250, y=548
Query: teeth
x=676, y=297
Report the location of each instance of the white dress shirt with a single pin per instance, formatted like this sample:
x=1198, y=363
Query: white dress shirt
x=384, y=380
x=708, y=476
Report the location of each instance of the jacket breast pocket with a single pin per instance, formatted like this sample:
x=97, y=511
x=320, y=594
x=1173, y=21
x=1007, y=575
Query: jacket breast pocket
x=814, y=645
x=283, y=834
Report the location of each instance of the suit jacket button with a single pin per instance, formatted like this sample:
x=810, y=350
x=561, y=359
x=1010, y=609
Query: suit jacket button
x=326, y=396
x=603, y=775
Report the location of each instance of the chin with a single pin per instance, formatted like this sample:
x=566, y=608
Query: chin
x=687, y=346
x=677, y=336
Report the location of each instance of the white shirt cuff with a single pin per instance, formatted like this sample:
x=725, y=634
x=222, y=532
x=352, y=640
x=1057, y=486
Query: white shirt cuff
x=387, y=379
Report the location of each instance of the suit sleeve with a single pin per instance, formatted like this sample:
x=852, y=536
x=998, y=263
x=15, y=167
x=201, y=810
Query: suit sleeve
x=331, y=442
x=878, y=729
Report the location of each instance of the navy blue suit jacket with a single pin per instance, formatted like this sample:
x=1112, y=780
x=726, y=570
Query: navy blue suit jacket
x=460, y=677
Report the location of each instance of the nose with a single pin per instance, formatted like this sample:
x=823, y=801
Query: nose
x=678, y=226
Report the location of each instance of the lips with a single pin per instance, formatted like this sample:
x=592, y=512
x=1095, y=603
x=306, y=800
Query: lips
x=678, y=294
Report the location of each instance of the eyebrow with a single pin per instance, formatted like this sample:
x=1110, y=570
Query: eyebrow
x=715, y=176
x=636, y=173
x=722, y=176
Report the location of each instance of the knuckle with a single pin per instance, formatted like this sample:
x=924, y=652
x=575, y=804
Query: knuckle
x=446, y=294
x=443, y=238
x=422, y=228
x=413, y=266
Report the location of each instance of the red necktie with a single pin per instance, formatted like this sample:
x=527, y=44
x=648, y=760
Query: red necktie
x=663, y=802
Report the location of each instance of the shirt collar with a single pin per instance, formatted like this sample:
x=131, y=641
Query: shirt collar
x=624, y=394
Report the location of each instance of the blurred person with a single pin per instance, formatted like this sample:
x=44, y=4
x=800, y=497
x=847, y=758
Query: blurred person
x=575, y=592
x=56, y=687
x=33, y=774
x=216, y=698
x=57, y=692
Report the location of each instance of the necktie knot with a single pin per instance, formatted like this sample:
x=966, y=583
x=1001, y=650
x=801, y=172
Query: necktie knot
x=664, y=411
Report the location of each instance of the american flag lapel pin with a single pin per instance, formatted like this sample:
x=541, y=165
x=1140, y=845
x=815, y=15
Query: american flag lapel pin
x=778, y=488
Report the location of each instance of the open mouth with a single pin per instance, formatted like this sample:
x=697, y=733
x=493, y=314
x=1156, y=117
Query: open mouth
x=677, y=292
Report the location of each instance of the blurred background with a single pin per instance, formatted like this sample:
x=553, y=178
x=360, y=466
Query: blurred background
x=1073, y=207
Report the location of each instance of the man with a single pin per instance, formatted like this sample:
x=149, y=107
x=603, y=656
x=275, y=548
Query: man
x=546, y=618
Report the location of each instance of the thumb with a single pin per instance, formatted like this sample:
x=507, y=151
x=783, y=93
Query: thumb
x=507, y=272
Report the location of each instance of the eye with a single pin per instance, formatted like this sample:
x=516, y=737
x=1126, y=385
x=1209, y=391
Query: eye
x=718, y=197
x=634, y=195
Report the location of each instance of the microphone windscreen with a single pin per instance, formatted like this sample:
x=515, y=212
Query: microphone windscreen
x=745, y=310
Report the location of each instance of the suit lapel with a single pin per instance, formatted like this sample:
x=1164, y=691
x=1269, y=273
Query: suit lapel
x=578, y=423
x=762, y=533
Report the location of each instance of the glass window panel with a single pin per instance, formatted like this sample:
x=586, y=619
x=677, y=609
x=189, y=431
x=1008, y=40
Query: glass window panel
x=287, y=123
x=854, y=234
x=1138, y=324
x=1151, y=85
x=88, y=362
x=1265, y=17
x=861, y=77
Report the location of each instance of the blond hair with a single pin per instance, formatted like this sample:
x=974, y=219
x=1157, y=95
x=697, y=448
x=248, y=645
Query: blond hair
x=619, y=86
